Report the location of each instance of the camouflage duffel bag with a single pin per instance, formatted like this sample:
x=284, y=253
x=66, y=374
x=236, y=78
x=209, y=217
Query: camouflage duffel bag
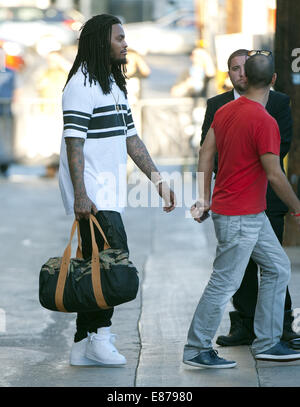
x=103, y=281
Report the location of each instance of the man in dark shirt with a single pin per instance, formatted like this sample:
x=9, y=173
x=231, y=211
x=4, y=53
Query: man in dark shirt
x=244, y=300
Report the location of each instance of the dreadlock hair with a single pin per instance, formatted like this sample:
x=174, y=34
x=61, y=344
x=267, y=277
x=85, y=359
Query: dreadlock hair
x=93, y=54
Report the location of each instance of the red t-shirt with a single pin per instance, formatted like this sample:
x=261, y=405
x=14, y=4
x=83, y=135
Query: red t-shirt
x=244, y=131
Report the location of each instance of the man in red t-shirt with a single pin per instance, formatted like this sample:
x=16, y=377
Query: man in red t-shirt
x=247, y=140
x=241, y=185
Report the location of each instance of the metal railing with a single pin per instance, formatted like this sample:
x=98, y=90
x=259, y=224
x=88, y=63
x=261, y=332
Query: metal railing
x=170, y=128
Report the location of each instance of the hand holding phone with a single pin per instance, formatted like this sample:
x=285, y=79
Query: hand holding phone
x=200, y=211
x=204, y=216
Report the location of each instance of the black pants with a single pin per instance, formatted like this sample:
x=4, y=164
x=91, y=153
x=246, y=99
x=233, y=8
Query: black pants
x=244, y=300
x=113, y=228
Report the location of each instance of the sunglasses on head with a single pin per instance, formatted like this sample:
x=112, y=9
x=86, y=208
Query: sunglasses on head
x=257, y=52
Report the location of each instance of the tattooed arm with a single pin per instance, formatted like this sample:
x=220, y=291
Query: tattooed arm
x=138, y=152
x=82, y=203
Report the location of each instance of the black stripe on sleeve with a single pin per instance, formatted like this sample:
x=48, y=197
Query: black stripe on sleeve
x=72, y=112
x=130, y=126
x=80, y=121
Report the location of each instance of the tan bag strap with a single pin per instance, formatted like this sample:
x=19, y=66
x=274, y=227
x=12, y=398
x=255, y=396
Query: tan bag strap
x=61, y=281
x=96, y=281
x=79, y=247
x=94, y=219
x=96, y=271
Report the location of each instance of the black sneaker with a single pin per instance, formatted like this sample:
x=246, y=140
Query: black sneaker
x=278, y=353
x=210, y=359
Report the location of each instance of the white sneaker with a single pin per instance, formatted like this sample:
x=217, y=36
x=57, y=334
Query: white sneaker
x=78, y=358
x=100, y=348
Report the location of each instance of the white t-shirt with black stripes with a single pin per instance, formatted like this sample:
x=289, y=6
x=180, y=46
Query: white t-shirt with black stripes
x=104, y=121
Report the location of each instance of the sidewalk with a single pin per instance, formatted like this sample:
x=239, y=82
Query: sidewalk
x=183, y=253
x=174, y=256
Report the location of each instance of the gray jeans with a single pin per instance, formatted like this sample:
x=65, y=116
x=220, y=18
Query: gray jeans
x=239, y=238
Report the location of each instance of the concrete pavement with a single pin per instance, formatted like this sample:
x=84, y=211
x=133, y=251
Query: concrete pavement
x=174, y=256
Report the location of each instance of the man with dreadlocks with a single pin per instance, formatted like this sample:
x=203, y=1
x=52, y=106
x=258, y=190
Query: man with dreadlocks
x=98, y=134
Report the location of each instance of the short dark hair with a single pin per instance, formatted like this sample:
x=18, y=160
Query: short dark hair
x=238, y=53
x=259, y=70
x=93, y=54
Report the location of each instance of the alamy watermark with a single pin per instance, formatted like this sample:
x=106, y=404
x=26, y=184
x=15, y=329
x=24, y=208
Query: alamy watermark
x=296, y=61
x=295, y=75
x=187, y=186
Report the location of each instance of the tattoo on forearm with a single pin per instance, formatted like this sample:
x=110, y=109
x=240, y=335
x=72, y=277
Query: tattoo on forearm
x=138, y=152
x=76, y=164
